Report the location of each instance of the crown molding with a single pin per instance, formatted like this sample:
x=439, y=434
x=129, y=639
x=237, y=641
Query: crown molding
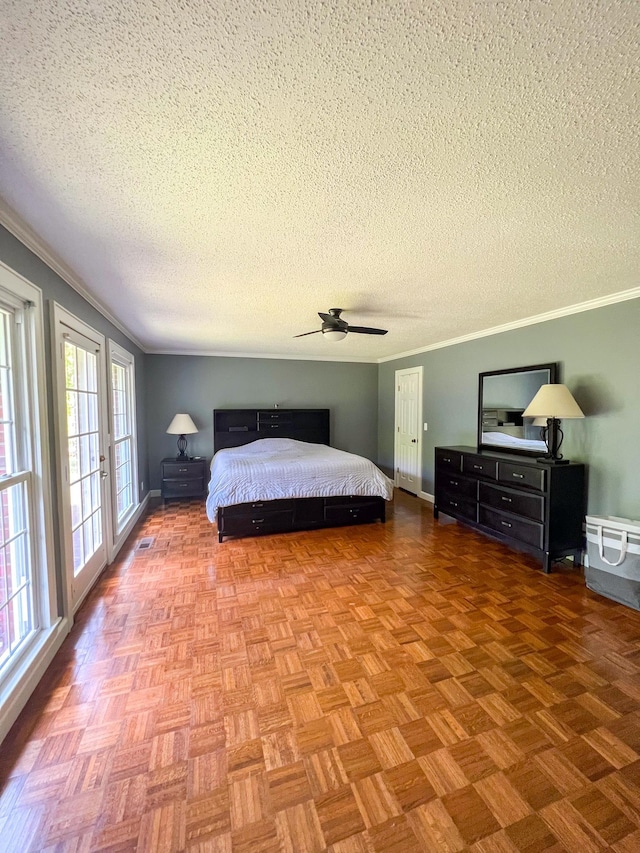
x=16, y=225
x=590, y=305
x=279, y=356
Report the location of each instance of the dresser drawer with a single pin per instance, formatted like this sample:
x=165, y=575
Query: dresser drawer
x=256, y=509
x=480, y=466
x=520, y=503
x=448, y=460
x=460, y=507
x=351, y=511
x=510, y=525
x=265, y=522
x=456, y=484
x=522, y=475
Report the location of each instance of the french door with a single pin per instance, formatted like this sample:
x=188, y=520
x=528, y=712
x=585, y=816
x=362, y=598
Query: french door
x=83, y=452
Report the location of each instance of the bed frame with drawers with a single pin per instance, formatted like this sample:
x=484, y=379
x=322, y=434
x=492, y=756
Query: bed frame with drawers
x=236, y=427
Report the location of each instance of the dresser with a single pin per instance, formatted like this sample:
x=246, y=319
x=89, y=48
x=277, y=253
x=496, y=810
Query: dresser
x=183, y=478
x=533, y=506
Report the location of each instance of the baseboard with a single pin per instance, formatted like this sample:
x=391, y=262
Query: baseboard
x=425, y=496
x=154, y=493
x=20, y=686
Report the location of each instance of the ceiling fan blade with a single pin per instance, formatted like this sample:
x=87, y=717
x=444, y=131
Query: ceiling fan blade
x=365, y=330
x=304, y=334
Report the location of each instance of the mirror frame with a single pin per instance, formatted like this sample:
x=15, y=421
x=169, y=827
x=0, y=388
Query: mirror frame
x=552, y=367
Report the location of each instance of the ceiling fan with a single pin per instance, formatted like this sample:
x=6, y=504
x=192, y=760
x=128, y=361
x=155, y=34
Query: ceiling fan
x=334, y=328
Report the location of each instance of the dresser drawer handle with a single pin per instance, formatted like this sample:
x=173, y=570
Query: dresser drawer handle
x=446, y=459
x=454, y=482
x=478, y=467
x=257, y=520
x=453, y=503
x=520, y=476
x=505, y=524
x=182, y=470
x=508, y=500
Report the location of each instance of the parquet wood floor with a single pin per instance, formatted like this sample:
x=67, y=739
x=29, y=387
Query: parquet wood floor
x=389, y=688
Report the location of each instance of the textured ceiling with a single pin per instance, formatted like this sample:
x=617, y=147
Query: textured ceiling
x=218, y=172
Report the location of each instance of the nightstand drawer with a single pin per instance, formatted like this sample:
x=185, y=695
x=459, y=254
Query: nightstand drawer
x=181, y=471
x=183, y=488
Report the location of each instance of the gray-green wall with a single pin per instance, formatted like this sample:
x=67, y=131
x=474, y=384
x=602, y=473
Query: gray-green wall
x=15, y=255
x=599, y=356
x=199, y=384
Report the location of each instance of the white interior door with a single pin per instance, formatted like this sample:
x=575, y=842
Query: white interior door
x=408, y=441
x=82, y=452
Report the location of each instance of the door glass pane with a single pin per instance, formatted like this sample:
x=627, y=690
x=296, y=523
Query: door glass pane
x=84, y=452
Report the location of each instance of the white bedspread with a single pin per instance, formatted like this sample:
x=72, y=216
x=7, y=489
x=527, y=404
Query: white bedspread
x=273, y=468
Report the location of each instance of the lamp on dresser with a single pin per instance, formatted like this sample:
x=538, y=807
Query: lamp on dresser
x=182, y=425
x=553, y=402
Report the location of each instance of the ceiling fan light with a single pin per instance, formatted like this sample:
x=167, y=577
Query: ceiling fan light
x=334, y=334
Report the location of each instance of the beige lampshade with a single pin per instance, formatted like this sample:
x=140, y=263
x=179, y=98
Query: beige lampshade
x=182, y=425
x=553, y=401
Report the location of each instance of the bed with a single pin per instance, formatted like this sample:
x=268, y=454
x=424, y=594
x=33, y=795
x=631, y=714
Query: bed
x=273, y=470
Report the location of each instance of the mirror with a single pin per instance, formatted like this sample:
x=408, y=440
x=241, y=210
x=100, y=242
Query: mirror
x=502, y=398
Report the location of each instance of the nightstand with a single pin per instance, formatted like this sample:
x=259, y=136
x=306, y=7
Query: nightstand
x=183, y=478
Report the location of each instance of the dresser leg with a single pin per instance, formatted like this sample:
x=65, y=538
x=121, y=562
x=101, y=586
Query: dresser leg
x=435, y=511
x=546, y=564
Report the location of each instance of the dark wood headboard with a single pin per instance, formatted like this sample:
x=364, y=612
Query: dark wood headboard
x=235, y=427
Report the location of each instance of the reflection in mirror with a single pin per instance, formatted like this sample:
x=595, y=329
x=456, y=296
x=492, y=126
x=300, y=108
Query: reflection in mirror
x=503, y=397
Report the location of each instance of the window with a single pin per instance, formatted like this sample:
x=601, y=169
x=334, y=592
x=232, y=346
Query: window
x=123, y=435
x=27, y=592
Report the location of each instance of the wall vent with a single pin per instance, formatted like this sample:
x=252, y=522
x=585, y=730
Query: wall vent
x=145, y=543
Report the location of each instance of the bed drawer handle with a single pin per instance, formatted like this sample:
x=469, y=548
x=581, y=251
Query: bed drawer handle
x=257, y=520
x=255, y=506
x=453, y=503
x=478, y=467
x=520, y=476
x=454, y=482
x=505, y=524
x=446, y=459
x=508, y=500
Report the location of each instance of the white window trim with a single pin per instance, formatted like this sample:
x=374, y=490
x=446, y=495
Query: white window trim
x=117, y=354
x=54, y=621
